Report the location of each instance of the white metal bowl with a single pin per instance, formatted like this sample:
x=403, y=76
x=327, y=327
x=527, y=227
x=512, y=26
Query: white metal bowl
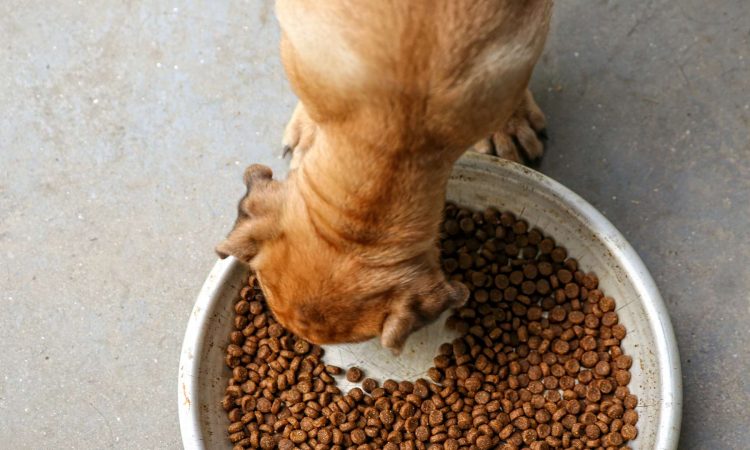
x=477, y=181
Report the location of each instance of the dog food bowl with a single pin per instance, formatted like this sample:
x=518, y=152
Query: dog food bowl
x=478, y=181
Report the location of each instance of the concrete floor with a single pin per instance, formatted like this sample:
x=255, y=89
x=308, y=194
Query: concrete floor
x=125, y=127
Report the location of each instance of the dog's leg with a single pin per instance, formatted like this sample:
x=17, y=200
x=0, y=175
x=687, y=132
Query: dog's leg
x=299, y=135
x=521, y=139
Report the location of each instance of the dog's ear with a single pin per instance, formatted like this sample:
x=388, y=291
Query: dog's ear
x=451, y=294
x=240, y=243
x=420, y=309
x=257, y=215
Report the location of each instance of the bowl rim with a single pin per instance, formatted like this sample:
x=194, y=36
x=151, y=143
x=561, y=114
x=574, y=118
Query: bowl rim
x=670, y=414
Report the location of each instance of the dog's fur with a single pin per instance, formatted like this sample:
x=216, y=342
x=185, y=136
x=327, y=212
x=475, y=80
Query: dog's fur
x=391, y=94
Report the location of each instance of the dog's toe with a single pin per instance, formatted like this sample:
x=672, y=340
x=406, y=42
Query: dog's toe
x=522, y=138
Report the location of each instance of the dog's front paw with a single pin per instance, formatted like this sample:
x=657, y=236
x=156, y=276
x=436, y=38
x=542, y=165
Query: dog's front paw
x=257, y=215
x=521, y=139
x=299, y=135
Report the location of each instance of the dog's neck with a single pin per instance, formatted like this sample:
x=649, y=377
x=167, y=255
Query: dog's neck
x=379, y=195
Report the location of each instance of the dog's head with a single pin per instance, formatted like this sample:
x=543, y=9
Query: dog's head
x=327, y=293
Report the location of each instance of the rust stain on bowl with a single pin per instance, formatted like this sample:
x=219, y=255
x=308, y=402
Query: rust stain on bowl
x=187, y=397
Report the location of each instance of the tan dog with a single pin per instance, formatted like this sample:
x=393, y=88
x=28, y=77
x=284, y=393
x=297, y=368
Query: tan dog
x=391, y=94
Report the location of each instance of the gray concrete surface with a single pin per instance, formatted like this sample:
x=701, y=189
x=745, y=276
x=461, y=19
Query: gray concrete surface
x=124, y=128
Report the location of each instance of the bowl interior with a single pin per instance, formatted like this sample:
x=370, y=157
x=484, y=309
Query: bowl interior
x=477, y=181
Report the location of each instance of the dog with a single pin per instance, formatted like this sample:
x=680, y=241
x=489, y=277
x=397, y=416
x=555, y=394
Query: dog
x=391, y=94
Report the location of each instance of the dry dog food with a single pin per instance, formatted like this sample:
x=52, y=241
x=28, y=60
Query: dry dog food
x=538, y=364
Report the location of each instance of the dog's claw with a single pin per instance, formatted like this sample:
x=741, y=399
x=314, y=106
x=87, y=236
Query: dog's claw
x=286, y=151
x=523, y=136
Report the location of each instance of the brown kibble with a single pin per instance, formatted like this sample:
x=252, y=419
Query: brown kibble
x=623, y=362
x=334, y=370
x=609, y=319
x=358, y=436
x=622, y=377
x=298, y=436
x=484, y=442
x=354, y=374
x=387, y=417
x=576, y=317
x=390, y=386
x=606, y=386
x=615, y=411
x=546, y=246
x=588, y=343
x=629, y=432
x=369, y=385
x=612, y=440
x=565, y=276
x=406, y=387
x=572, y=290
x=602, y=368
x=559, y=254
x=407, y=410
x=502, y=281
x=482, y=397
x=557, y=314
x=465, y=261
x=450, y=444
x=467, y=225
x=234, y=350
x=607, y=304
x=593, y=431
x=560, y=347
x=630, y=417
x=451, y=227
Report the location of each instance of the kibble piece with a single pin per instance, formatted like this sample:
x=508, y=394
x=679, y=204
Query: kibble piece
x=451, y=227
x=630, y=417
x=484, y=442
x=602, y=368
x=629, y=432
x=369, y=385
x=298, y=436
x=333, y=370
x=618, y=331
x=482, y=397
x=624, y=362
x=622, y=377
x=466, y=225
x=354, y=374
x=358, y=436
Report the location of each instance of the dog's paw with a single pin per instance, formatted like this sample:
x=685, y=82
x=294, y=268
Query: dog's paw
x=413, y=311
x=299, y=135
x=521, y=139
x=257, y=215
